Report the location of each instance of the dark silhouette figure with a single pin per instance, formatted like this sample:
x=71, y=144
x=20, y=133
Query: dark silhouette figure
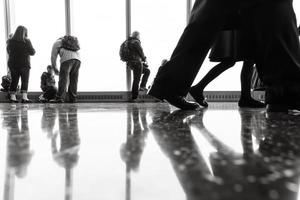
x=19, y=49
x=220, y=172
x=137, y=63
x=67, y=155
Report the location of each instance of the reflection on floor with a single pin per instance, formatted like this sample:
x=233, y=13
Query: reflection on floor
x=147, y=151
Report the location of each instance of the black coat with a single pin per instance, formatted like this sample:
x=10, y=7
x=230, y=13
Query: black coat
x=19, y=53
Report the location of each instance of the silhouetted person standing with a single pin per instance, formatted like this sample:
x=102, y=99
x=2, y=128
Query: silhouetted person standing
x=136, y=61
x=278, y=53
x=19, y=49
x=68, y=49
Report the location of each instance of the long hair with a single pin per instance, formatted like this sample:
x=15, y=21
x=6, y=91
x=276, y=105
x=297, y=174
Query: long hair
x=20, y=34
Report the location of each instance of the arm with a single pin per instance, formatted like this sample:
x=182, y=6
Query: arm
x=43, y=82
x=54, y=54
x=30, y=48
x=139, y=50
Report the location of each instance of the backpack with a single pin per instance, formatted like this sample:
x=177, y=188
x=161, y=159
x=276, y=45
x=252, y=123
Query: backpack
x=126, y=52
x=70, y=43
x=6, y=81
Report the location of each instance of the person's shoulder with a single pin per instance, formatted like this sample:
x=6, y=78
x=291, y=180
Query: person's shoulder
x=44, y=74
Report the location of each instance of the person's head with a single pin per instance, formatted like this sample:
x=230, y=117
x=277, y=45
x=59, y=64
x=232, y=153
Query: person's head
x=135, y=34
x=20, y=34
x=50, y=69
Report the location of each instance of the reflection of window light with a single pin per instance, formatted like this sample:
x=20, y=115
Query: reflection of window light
x=3, y=70
x=205, y=148
x=101, y=31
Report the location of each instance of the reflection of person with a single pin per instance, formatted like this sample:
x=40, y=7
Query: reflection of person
x=18, y=148
x=203, y=170
x=19, y=49
x=132, y=150
x=67, y=155
x=48, y=120
x=180, y=147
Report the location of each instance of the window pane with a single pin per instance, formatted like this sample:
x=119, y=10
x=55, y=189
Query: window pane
x=100, y=28
x=45, y=23
x=3, y=68
x=160, y=23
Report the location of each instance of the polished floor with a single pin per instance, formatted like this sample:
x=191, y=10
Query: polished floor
x=147, y=151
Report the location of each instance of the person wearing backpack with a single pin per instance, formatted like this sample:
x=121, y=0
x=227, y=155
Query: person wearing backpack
x=132, y=53
x=19, y=49
x=67, y=48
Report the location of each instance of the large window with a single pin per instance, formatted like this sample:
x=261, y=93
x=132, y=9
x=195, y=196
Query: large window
x=45, y=21
x=160, y=24
x=3, y=68
x=297, y=10
x=100, y=28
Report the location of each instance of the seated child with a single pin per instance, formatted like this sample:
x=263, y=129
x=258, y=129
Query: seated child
x=48, y=85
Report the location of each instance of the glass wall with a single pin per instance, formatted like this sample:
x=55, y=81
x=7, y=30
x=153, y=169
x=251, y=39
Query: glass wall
x=45, y=21
x=3, y=68
x=100, y=28
x=297, y=10
x=160, y=23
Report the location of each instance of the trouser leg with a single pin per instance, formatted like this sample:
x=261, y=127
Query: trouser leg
x=146, y=73
x=74, y=72
x=24, y=79
x=63, y=79
x=178, y=74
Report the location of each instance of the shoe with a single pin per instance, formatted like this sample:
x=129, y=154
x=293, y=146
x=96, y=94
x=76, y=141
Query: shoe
x=73, y=101
x=143, y=89
x=277, y=108
x=26, y=101
x=199, y=97
x=182, y=103
x=250, y=103
x=175, y=100
x=13, y=101
x=56, y=101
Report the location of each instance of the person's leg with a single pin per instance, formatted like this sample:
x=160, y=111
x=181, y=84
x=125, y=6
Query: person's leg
x=212, y=74
x=197, y=90
x=174, y=80
x=25, y=72
x=246, y=100
x=278, y=54
x=15, y=76
x=146, y=73
x=137, y=73
x=50, y=93
x=63, y=80
x=74, y=72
